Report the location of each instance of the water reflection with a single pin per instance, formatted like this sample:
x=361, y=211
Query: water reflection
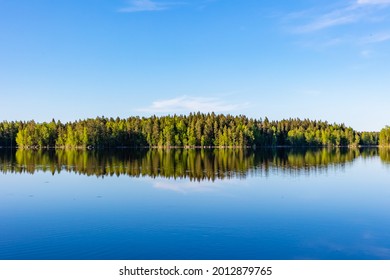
x=384, y=154
x=195, y=164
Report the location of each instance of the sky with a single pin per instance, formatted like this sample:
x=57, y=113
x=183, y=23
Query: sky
x=71, y=59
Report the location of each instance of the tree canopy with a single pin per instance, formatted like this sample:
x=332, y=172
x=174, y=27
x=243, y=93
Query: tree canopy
x=384, y=136
x=193, y=130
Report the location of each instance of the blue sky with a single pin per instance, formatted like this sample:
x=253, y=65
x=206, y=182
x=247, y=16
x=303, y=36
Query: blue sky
x=314, y=59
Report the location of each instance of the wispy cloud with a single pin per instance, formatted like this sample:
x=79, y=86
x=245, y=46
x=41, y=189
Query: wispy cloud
x=186, y=104
x=327, y=21
x=334, y=18
x=352, y=12
x=373, y=2
x=145, y=6
x=134, y=6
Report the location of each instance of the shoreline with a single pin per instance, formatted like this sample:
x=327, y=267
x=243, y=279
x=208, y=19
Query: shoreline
x=194, y=147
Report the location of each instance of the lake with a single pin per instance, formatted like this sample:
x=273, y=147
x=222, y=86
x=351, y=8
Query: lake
x=195, y=204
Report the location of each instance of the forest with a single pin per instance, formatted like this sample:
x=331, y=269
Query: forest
x=193, y=130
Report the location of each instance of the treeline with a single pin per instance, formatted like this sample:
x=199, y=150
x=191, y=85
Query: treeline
x=384, y=136
x=184, y=131
x=8, y=132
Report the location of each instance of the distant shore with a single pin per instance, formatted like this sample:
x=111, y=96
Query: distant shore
x=196, y=130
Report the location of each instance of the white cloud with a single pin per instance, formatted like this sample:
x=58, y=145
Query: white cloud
x=160, y=5
x=361, y=10
x=187, y=104
x=144, y=5
x=373, y=2
x=326, y=22
x=342, y=16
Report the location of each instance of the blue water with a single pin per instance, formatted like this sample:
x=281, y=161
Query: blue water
x=341, y=212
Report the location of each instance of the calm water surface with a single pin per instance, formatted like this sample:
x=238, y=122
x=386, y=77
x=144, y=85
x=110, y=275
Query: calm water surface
x=195, y=204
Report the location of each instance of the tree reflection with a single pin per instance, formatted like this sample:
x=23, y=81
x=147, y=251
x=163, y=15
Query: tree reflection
x=195, y=164
x=384, y=154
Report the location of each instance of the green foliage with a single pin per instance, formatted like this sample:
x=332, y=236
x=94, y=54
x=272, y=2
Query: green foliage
x=194, y=130
x=8, y=132
x=384, y=153
x=33, y=135
x=384, y=136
